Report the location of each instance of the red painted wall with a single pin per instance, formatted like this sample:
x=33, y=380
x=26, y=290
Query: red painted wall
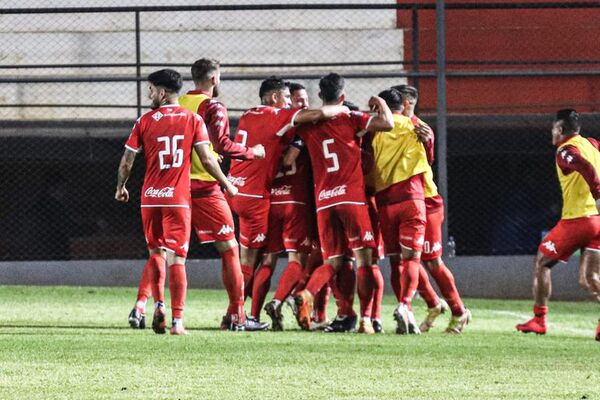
x=511, y=35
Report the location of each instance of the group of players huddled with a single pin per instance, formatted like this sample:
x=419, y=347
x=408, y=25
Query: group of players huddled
x=330, y=186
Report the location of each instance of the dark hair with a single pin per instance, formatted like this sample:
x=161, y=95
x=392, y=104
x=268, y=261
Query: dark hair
x=294, y=87
x=351, y=106
x=393, y=98
x=270, y=84
x=569, y=120
x=331, y=87
x=407, y=92
x=203, y=69
x=166, y=78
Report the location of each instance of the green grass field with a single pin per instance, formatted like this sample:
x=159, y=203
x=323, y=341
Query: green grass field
x=74, y=343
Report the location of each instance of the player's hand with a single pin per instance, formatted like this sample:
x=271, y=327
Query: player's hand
x=424, y=132
x=375, y=103
x=231, y=190
x=259, y=151
x=122, y=194
x=219, y=158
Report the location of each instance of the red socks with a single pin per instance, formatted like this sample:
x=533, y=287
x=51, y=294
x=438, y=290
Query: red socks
x=319, y=278
x=292, y=275
x=157, y=277
x=377, y=292
x=178, y=289
x=366, y=282
x=344, y=288
x=233, y=280
x=145, y=287
x=395, y=279
x=248, y=272
x=409, y=276
x=260, y=288
x=426, y=290
x=320, y=304
x=445, y=281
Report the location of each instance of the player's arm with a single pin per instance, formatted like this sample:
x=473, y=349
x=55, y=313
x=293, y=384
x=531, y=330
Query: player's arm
x=570, y=160
x=212, y=167
x=306, y=115
x=292, y=152
x=123, y=174
x=426, y=136
x=384, y=119
x=218, y=133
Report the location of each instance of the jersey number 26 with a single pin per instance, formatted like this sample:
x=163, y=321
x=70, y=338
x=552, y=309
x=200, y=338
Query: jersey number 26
x=171, y=149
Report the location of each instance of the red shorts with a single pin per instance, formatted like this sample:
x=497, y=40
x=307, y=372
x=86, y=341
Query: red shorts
x=374, y=217
x=253, y=214
x=167, y=228
x=432, y=246
x=402, y=224
x=570, y=235
x=343, y=226
x=289, y=228
x=211, y=219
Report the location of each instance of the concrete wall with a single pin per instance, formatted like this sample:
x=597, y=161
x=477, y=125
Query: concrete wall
x=484, y=277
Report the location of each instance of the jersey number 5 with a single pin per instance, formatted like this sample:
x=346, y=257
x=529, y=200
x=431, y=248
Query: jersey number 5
x=171, y=150
x=331, y=156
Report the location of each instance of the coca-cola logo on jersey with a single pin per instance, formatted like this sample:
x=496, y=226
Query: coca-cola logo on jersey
x=281, y=191
x=237, y=180
x=160, y=192
x=336, y=191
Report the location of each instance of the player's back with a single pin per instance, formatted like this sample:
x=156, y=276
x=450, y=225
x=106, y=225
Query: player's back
x=293, y=184
x=167, y=136
x=268, y=126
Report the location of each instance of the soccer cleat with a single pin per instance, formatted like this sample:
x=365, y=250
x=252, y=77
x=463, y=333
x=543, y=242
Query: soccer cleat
x=304, y=303
x=178, y=329
x=290, y=302
x=533, y=325
x=377, y=326
x=137, y=320
x=598, y=332
x=230, y=322
x=432, y=314
x=366, y=328
x=405, y=321
x=342, y=324
x=319, y=325
x=457, y=323
x=159, y=325
x=252, y=325
x=274, y=311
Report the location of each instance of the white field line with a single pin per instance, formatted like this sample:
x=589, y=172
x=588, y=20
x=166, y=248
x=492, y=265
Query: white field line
x=553, y=326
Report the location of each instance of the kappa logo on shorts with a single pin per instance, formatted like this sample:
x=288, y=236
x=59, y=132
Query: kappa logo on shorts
x=437, y=246
x=157, y=116
x=368, y=236
x=225, y=229
x=185, y=246
x=550, y=246
x=259, y=238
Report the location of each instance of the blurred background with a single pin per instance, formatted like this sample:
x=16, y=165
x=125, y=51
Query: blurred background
x=72, y=83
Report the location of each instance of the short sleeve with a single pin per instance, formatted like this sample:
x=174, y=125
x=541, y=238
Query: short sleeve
x=360, y=121
x=200, y=131
x=284, y=118
x=134, y=143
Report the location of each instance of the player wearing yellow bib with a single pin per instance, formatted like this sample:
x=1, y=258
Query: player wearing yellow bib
x=578, y=169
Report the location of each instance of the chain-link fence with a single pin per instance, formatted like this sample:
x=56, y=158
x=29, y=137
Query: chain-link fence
x=72, y=83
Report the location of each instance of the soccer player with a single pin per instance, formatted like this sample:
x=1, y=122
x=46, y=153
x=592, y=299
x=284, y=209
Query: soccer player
x=167, y=135
x=342, y=214
x=268, y=124
x=211, y=217
x=578, y=168
x=432, y=246
x=399, y=164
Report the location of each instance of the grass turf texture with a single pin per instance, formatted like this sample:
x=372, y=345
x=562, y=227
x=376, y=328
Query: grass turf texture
x=74, y=343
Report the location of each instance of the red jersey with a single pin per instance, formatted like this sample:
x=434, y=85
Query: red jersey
x=270, y=127
x=167, y=136
x=293, y=184
x=334, y=148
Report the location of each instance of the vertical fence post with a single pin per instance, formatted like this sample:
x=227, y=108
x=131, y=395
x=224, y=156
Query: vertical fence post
x=441, y=110
x=415, y=48
x=138, y=67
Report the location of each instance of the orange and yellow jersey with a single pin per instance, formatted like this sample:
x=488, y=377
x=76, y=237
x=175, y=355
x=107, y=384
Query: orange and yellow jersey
x=192, y=102
x=578, y=168
x=399, y=161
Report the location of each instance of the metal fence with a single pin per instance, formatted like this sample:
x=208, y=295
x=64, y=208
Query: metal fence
x=490, y=74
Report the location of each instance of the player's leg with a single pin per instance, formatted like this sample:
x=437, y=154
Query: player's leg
x=589, y=274
x=137, y=317
x=262, y=284
x=378, y=253
x=366, y=285
x=343, y=286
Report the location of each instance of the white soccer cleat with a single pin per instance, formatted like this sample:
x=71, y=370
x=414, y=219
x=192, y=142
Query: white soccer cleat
x=458, y=323
x=405, y=321
x=432, y=314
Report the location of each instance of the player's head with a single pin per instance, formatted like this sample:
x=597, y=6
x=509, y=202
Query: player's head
x=393, y=99
x=331, y=89
x=566, y=124
x=298, y=95
x=274, y=92
x=410, y=96
x=206, y=74
x=164, y=86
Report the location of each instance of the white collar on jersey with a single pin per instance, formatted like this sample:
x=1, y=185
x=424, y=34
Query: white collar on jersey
x=170, y=105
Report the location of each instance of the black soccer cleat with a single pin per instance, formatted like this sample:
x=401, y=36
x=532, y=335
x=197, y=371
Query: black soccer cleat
x=137, y=320
x=159, y=323
x=346, y=324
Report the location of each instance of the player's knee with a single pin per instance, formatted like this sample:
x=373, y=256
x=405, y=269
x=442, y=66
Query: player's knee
x=432, y=265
